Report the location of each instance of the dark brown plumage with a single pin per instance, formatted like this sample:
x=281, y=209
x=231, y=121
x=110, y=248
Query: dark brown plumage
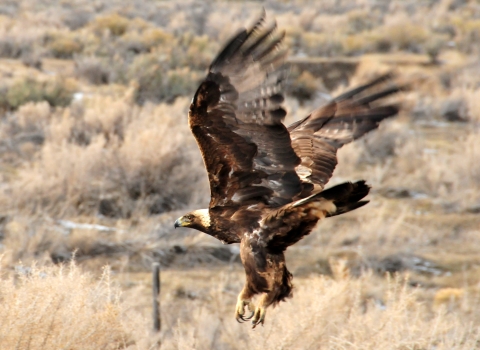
x=267, y=181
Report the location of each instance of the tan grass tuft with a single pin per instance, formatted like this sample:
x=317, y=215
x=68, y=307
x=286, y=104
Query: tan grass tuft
x=340, y=314
x=448, y=296
x=60, y=308
x=114, y=23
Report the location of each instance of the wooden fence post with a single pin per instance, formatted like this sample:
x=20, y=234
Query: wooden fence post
x=157, y=325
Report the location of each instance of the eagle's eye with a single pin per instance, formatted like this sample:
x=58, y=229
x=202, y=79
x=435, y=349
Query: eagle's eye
x=189, y=217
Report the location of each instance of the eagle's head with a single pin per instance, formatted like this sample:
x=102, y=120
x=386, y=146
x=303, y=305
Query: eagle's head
x=197, y=219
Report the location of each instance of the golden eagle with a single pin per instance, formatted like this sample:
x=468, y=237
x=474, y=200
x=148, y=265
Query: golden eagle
x=267, y=180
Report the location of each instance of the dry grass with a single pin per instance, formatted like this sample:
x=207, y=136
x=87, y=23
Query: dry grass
x=96, y=157
x=335, y=314
x=346, y=313
x=60, y=308
x=112, y=151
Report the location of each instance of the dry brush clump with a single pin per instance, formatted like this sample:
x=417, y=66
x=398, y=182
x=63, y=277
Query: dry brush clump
x=157, y=83
x=119, y=48
x=60, y=308
x=442, y=169
x=63, y=45
x=25, y=88
x=345, y=313
x=118, y=45
x=111, y=158
x=39, y=304
x=56, y=91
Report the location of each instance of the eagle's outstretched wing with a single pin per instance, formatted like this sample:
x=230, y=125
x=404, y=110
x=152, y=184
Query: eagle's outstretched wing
x=236, y=119
x=317, y=137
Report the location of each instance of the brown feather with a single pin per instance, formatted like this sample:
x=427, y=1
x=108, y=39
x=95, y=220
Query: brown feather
x=317, y=137
x=236, y=118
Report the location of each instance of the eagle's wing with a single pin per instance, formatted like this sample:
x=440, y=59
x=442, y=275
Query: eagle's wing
x=236, y=119
x=317, y=137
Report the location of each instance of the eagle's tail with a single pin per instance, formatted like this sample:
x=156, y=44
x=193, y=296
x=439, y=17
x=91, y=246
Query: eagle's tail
x=346, y=196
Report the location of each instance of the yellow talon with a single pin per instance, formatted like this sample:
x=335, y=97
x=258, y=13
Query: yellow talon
x=259, y=317
x=240, y=310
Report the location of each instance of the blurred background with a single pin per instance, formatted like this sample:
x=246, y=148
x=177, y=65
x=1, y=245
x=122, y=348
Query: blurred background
x=97, y=161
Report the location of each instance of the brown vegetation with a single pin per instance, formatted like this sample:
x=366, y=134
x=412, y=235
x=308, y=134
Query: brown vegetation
x=60, y=308
x=96, y=158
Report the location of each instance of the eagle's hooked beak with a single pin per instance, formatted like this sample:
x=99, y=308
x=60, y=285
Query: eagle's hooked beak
x=179, y=222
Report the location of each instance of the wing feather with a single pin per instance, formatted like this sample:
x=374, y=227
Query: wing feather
x=236, y=118
x=317, y=137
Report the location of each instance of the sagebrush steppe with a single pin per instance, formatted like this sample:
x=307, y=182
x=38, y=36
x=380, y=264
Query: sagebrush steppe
x=96, y=161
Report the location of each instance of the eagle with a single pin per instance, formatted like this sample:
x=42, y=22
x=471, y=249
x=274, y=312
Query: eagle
x=267, y=181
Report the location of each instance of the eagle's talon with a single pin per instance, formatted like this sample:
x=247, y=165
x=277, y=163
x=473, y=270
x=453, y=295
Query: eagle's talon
x=240, y=310
x=259, y=317
x=242, y=319
x=257, y=323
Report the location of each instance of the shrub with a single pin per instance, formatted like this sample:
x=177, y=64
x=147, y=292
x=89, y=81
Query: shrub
x=32, y=59
x=93, y=69
x=149, y=72
x=355, y=44
x=77, y=18
x=360, y=21
x=16, y=45
x=199, y=52
x=322, y=44
x=140, y=38
x=347, y=313
x=434, y=47
x=138, y=159
x=115, y=24
x=156, y=82
x=152, y=37
x=38, y=302
x=468, y=34
x=57, y=92
x=23, y=91
x=132, y=42
x=181, y=82
x=64, y=47
x=454, y=109
x=9, y=48
x=404, y=36
x=4, y=105
x=304, y=86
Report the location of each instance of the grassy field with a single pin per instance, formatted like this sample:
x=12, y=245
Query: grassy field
x=97, y=161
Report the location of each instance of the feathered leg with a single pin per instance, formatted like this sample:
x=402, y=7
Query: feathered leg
x=266, y=274
x=280, y=287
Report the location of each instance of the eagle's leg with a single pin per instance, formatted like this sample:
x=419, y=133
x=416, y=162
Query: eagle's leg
x=244, y=299
x=280, y=287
